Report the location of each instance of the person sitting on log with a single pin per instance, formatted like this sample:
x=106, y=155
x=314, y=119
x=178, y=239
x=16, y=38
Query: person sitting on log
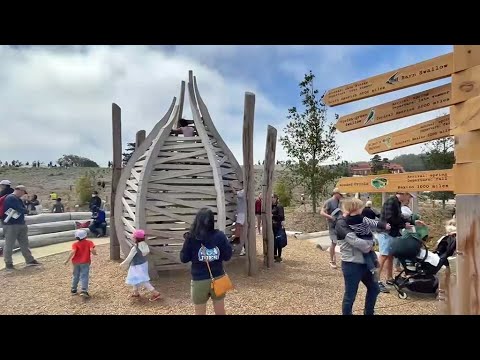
x=58, y=206
x=187, y=131
x=31, y=205
x=99, y=222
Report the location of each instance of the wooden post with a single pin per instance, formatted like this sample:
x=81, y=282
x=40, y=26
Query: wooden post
x=269, y=166
x=116, y=173
x=415, y=204
x=249, y=184
x=384, y=198
x=465, y=124
x=140, y=138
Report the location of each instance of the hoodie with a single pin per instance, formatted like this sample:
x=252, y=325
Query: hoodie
x=218, y=250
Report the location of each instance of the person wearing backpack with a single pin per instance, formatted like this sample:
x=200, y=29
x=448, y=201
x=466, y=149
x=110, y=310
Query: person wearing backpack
x=331, y=211
x=15, y=229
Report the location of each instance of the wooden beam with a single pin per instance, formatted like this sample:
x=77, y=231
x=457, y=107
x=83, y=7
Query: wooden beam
x=267, y=186
x=116, y=174
x=425, y=71
x=418, y=103
x=430, y=130
x=249, y=184
x=140, y=138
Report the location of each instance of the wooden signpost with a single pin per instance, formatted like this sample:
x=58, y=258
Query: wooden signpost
x=461, y=293
x=434, y=69
x=437, y=180
x=430, y=130
x=415, y=104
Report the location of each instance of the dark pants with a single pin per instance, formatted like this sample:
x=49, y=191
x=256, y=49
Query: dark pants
x=277, y=249
x=353, y=273
x=95, y=226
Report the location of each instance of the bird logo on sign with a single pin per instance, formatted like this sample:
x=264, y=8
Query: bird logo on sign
x=393, y=79
x=370, y=118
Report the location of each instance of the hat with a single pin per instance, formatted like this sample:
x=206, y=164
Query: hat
x=368, y=203
x=139, y=234
x=21, y=187
x=408, y=193
x=80, y=234
x=337, y=191
x=5, y=182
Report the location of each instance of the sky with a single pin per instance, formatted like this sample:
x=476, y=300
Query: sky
x=57, y=99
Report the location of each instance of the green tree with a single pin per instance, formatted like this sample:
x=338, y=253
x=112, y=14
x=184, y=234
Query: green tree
x=411, y=162
x=439, y=155
x=284, y=189
x=128, y=153
x=309, y=141
x=376, y=164
x=85, y=186
x=75, y=161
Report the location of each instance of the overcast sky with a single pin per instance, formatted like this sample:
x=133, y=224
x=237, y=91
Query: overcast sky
x=57, y=99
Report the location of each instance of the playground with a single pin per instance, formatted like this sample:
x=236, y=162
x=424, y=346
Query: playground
x=303, y=284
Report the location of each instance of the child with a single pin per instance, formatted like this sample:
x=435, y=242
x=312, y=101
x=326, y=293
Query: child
x=362, y=226
x=80, y=256
x=58, y=206
x=137, y=264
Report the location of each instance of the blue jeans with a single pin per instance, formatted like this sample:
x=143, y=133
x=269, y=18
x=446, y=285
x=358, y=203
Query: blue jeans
x=353, y=273
x=80, y=273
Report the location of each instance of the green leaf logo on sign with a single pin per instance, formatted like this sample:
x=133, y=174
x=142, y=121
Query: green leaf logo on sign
x=379, y=183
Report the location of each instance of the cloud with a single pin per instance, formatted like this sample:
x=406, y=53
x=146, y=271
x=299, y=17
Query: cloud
x=57, y=99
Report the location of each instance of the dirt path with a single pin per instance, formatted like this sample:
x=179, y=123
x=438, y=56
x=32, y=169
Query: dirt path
x=302, y=284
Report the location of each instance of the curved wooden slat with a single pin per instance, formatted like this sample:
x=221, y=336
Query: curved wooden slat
x=125, y=243
x=217, y=175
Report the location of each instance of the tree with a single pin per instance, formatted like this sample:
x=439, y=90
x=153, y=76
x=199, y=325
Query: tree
x=376, y=164
x=343, y=169
x=74, y=160
x=85, y=186
x=411, y=162
x=128, y=153
x=309, y=141
x=284, y=189
x=439, y=155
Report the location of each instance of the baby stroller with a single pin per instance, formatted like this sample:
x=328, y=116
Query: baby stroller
x=420, y=266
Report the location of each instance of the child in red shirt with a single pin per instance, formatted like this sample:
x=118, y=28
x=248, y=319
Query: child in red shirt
x=80, y=256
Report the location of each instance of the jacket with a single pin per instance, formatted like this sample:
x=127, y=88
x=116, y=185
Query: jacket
x=352, y=247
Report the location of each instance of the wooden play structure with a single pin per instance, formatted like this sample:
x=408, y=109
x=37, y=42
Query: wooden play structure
x=170, y=177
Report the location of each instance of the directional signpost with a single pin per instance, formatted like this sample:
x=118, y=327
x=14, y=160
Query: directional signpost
x=463, y=95
x=430, y=130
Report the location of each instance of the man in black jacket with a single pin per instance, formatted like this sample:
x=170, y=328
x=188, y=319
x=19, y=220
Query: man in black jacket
x=95, y=201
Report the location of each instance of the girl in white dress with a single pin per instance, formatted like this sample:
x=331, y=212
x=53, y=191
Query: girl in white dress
x=137, y=264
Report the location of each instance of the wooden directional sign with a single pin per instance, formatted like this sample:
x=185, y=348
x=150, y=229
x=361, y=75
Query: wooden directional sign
x=427, y=131
x=418, y=103
x=436, y=180
x=430, y=70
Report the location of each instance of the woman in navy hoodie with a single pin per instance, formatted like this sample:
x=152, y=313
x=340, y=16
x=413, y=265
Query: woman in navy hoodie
x=204, y=243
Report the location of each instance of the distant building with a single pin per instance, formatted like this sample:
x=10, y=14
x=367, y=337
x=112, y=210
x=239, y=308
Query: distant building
x=363, y=168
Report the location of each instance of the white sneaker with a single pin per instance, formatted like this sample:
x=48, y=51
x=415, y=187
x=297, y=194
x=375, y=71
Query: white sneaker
x=242, y=253
x=333, y=265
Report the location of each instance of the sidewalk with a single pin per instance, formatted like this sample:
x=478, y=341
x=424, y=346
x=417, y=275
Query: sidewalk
x=48, y=250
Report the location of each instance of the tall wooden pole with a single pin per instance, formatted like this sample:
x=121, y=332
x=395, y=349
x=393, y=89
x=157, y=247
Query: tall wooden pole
x=269, y=166
x=116, y=173
x=465, y=126
x=249, y=184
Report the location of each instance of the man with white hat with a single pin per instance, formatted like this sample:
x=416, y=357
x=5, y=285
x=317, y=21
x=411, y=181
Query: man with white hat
x=15, y=229
x=5, y=188
x=331, y=211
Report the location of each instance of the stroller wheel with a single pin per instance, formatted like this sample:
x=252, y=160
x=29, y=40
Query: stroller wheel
x=402, y=295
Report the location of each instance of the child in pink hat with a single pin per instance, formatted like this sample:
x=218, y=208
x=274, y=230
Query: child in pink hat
x=137, y=264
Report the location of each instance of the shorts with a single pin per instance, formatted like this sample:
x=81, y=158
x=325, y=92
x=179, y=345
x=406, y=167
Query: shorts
x=240, y=219
x=201, y=291
x=384, y=244
x=333, y=236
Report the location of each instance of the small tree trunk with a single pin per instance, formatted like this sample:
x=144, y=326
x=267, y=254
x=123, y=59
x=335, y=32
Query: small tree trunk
x=443, y=204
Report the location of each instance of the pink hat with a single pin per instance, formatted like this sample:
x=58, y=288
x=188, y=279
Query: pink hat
x=139, y=234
